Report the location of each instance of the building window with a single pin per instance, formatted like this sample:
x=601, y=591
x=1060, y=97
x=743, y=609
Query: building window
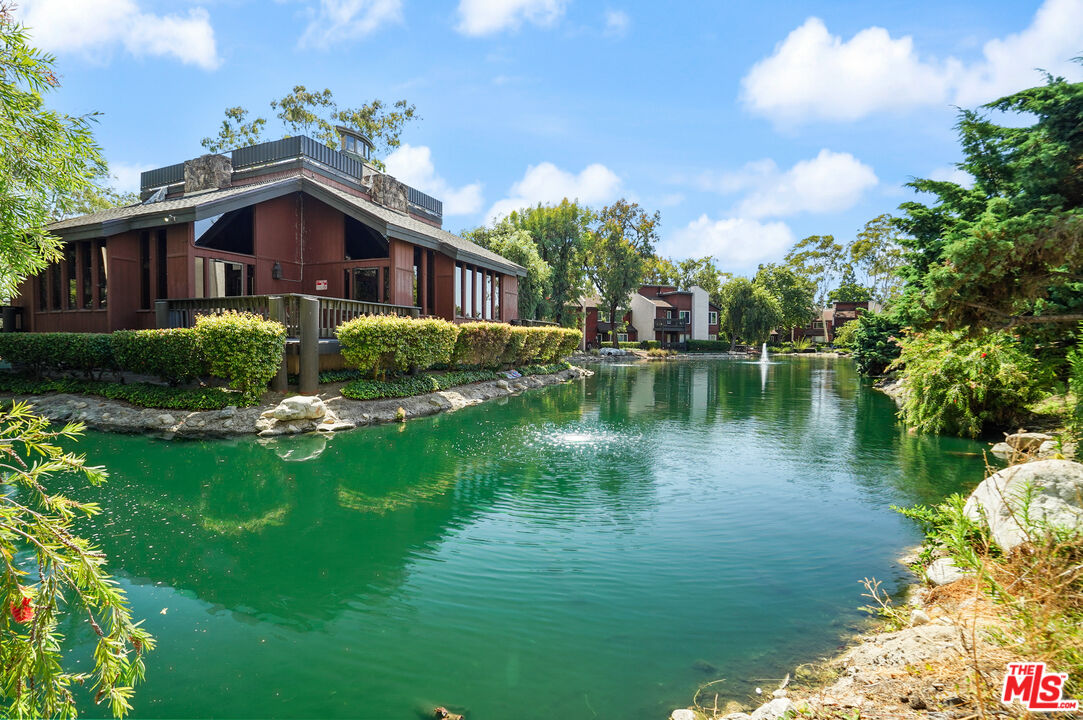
x=201, y=290
x=43, y=291
x=227, y=279
x=468, y=287
x=55, y=286
x=366, y=284
x=488, y=296
x=229, y=232
x=685, y=315
x=712, y=317
x=458, y=290
x=103, y=275
x=479, y=282
x=144, y=270
x=70, y=274
x=496, y=298
x=622, y=337
x=162, y=261
x=88, y=279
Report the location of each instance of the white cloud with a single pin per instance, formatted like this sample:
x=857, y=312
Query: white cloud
x=813, y=74
x=90, y=28
x=617, y=23
x=485, y=17
x=738, y=244
x=124, y=177
x=829, y=182
x=952, y=174
x=546, y=183
x=339, y=20
x=413, y=165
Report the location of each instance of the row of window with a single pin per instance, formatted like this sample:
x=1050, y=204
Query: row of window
x=477, y=293
x=79, y=282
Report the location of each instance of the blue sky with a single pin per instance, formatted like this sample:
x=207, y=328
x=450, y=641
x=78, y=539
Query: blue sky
x=748, y=125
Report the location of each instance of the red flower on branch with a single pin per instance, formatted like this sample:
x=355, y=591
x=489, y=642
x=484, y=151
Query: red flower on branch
x=22, y=612
x=983, y=354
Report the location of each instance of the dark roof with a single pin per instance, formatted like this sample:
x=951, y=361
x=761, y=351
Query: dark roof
x=197, y=206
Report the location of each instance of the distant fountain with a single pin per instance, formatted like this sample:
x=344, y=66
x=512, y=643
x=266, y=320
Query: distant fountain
x=763, y=354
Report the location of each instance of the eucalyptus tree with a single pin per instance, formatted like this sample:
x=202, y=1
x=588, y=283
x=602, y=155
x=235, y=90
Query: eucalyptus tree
x=796, y=294
x=819, y=258
x=559, y=232
x=616, y=251
x=518, y=246
x=748, y=311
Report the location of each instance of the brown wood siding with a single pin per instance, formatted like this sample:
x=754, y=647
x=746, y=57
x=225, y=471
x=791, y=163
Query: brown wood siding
x=402, y=272
x=276, y=225
x=509, y=304
x=445, y=287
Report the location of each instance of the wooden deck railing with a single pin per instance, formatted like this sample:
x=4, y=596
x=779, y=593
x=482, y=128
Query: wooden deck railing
x=182, y=312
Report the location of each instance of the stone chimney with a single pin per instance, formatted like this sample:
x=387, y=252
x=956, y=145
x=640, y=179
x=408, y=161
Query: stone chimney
x=389, y=192
x=207, y=172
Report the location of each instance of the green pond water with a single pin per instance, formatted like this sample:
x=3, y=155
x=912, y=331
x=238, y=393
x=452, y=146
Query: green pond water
x=592, y=550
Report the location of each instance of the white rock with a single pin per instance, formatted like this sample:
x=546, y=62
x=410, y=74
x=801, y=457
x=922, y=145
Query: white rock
x=300, y=407
x=943, y=571
x=1027, y=441
x=737, y=716
x=166, y=419
x=918, y=617
x=682, y=714
x=1055, y=489
x=774, y=710
x=502, y=384
x=1048, y=449
x=1002, y=450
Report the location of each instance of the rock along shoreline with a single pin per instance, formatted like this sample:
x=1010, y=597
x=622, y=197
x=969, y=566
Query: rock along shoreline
x=120, y=417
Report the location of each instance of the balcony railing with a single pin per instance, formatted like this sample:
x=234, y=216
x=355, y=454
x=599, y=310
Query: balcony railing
x=672, y=324
x=333, y=311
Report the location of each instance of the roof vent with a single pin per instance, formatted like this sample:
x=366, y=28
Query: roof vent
x=354, y=143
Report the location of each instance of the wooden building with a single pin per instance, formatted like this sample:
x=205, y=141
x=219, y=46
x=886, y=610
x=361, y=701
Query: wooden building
x=291, y=216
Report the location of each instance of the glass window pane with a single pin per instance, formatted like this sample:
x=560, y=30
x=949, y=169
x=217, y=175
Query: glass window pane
x=366, y=284
x=458, y=290
x=103, y=276
x=88, y=279
x=200, y=289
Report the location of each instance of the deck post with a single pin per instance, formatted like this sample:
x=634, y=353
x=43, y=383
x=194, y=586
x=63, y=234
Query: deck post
x=161, y=314
x=276, y=311
x=310, y=346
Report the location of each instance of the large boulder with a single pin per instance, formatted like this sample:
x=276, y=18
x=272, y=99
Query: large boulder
x=1054, y=489
x=1027, y=441
x=299, y=407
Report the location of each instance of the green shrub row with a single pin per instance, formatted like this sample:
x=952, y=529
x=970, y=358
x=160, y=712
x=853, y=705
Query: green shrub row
x=708, y=346
x=242, y=348
x=641, y=345
x=368, y=389
x=75, y=353
x=174, y=355
x=381, y=344
x=141, y=394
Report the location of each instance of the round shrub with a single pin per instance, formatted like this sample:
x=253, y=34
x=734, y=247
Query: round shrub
x=514, y=347
x=381, y=343
x=242, y=348
x=174, y=355
x=570, y=339
x=961, y=385
x=873, y=343
x=482, y=344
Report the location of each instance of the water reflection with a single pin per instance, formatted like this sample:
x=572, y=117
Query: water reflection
x=581, y=546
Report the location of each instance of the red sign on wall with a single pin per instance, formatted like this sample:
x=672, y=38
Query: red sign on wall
x=321, y=284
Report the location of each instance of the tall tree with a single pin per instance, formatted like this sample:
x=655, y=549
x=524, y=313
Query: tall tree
x=849, y=290
x=817, y=257
x=315, y=113
x=701, y=272
x=1008, y=251
x=49, y=577
x=660, y=271
x=616, y=251
x=878, y=254
x=235, y=132
x=559, y=232
x=518, y=246
x=748, y=311
x=796, y=294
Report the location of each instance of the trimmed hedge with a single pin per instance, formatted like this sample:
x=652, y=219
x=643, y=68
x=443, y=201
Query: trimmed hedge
x=708, y=346
x=641, y=345
x=72, y=353
x=242, y=348
x=482, y=344
x=174, y=355
x=141, y=394
x=368, y=389
x=381, y=343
